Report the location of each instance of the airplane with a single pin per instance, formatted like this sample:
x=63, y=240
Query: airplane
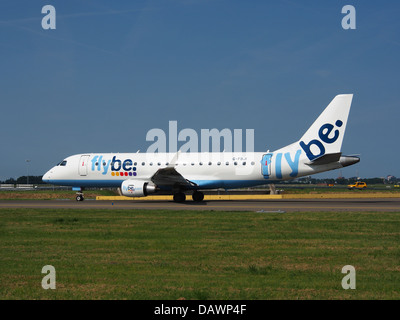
x=142, y=174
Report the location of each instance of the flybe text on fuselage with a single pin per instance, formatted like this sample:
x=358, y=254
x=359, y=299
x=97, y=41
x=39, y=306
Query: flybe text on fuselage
x=293, y=163
x=116, y=166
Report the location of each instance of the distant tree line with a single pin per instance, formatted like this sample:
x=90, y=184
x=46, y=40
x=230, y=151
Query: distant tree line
x=23, y=180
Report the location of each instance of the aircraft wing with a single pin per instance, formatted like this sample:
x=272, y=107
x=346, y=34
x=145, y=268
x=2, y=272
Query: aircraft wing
x=170, y=177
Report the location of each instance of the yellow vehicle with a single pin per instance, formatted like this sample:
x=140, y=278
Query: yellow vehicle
x=357, y=185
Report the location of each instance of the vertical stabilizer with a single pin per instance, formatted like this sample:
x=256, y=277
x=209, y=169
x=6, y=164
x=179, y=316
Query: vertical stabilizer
x=325, y=136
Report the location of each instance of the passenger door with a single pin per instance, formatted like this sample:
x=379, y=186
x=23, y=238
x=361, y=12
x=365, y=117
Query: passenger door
x=83, y=165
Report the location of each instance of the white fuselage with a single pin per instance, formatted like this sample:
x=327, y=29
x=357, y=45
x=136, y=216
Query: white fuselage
x=207, y=170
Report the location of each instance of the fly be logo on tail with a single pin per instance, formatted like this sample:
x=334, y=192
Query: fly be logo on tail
x=315, y=148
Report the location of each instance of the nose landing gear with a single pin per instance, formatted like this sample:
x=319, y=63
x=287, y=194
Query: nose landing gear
x=79, y=196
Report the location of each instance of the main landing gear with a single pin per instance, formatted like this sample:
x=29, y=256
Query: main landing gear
x=181, y=197
x=198, y=196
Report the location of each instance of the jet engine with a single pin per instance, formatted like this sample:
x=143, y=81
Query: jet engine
x=137, y=188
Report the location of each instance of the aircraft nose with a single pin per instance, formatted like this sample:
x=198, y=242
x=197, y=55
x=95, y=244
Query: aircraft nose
x=47, y=176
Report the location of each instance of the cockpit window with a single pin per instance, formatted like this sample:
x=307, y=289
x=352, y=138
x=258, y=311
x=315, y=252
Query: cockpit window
x=63, y=163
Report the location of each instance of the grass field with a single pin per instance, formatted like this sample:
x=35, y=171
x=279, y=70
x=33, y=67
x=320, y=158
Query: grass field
x=51, y=194
x=111, y=254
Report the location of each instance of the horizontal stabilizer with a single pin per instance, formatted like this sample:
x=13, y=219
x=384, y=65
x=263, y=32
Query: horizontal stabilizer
x=325, y=159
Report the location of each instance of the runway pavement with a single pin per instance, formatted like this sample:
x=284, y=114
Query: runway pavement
x=286, y=205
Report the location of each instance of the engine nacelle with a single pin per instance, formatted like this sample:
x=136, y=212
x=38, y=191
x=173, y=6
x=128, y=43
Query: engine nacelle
x=137, y=188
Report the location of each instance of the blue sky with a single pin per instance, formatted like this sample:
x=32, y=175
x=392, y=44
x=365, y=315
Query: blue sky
x=113, y=70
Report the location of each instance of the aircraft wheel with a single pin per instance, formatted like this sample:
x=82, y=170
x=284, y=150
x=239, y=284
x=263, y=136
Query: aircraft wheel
x=179, y=197
x=79, y=197
x=198, y=196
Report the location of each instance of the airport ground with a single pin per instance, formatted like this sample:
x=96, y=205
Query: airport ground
x=181, y=254
x=312, y=198
x=225, y=249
